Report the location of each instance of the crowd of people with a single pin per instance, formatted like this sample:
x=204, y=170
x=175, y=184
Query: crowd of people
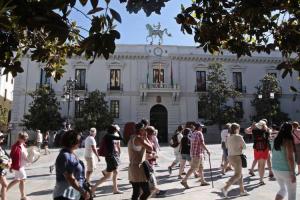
x=278, y=147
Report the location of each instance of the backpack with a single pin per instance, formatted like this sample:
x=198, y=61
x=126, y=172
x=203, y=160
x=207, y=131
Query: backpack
x=102, y=151
x=260, y=141
x=174, y=141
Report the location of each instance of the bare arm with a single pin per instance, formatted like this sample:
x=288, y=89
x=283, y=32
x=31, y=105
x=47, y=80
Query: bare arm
x=95, y=151
x=144, y=142
x=290, y=158
x=74, y=183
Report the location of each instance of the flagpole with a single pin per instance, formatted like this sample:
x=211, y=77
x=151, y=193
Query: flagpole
x=172, y=83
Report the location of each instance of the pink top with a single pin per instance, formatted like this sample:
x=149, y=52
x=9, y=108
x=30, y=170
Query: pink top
x=197, y=140
x=296, y=136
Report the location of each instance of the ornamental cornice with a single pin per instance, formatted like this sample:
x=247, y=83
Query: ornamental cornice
x=224, y=58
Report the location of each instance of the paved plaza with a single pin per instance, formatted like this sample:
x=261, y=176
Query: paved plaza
x=40, y=182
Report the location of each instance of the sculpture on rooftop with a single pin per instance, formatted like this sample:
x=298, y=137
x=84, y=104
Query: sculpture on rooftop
x=155, y=31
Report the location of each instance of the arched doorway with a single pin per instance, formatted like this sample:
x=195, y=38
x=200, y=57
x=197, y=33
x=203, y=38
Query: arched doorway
x=159, y=119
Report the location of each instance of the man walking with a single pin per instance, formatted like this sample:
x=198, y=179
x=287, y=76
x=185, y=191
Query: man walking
x=89, y=152
x=197, y=152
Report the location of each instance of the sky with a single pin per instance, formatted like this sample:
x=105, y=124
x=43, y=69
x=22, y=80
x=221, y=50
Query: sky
x=133, y=27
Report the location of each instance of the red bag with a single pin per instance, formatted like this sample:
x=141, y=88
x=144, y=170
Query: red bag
x=102, y=151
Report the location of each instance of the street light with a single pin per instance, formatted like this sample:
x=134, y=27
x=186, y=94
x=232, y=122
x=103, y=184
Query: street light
x=70, y=94
x=272, y=95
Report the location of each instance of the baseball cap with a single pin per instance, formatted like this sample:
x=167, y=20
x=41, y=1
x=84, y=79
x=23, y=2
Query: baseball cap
x=198, y=124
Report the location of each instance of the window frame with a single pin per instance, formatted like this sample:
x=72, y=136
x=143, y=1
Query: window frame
x=117, y=79
x=80, y=84
x=202, y=86
x=115, y=108
x=237, y=81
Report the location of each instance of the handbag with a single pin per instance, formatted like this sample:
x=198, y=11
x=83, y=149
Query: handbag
x=244, y=160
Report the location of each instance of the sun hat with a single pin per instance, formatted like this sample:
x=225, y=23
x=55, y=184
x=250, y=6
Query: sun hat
x=260, y=125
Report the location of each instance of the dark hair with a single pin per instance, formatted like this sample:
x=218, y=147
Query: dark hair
x=70, y=139
x=186, y=131
x=111, y=129
x=179, y=128
x=139, y=126
x=145, y=122
x=285, y=133
x=233, y=128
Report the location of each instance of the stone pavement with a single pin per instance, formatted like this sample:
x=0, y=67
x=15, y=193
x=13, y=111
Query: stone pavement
x=40, y=182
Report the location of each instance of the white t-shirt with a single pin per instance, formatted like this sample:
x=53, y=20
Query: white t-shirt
x=39, y=137
x=89, y=141
x=224, y=135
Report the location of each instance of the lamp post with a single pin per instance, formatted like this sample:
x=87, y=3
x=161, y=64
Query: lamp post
x=70, y=94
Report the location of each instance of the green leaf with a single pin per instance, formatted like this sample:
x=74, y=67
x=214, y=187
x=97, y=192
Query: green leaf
x=115, y=15
x=83, y=2
x=94, y=3
x=293, y=89
x=95, y=10
x=286, y=71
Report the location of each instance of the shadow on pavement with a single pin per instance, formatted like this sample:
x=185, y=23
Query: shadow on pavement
x=42, y=192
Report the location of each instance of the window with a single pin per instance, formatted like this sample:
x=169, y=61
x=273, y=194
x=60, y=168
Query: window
x=200, y=110
x=239, y=107
x=237, y=81
x=78, y=108
x=115, y=79
x=158, y=76
x=44, y=80
x=115, y=108
x=201, y=81
x=5, y=94
x=80, y=79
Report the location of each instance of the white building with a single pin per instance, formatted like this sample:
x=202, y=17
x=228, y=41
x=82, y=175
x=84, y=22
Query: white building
x=160, y=83
x=6, y=92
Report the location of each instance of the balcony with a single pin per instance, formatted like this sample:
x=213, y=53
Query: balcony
x=114, y=88
x=153, y=88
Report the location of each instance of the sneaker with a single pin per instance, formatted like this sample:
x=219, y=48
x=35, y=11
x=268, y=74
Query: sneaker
x=170, y=170
x=225, y=192
x=251, y=172
x=245, y=193
x=185, y=185
x=204, y=183
x=161, y=193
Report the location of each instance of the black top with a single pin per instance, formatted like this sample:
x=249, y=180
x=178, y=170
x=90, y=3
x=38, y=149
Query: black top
x=111, y=140
x=185, y=145
x=261, y=139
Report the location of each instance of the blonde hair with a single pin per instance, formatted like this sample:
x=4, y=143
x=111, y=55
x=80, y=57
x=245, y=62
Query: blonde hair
x=234, y=127
x=23, y=135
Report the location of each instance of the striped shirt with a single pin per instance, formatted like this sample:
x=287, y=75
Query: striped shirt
x=197, y=140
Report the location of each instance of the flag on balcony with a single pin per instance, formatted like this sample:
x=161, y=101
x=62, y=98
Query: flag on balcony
x=172, y=83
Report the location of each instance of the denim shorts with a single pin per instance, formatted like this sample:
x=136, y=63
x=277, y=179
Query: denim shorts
x=186, y=157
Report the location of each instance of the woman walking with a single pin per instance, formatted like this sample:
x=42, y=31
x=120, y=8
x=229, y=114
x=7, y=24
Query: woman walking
x=235, y=145
x=46, y=143
x=184, y=149
x=296, y=136
x=4, y=165
x=284, y=163
x=137, y=146
x=69, y=170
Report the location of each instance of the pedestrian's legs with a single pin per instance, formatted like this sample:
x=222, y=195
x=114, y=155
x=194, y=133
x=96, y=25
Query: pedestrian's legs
x=14, y=182
x=282, y=188
x=146, y=190
x=261, y=169
x=106, y=176
x=136, y=191
x=182, y=165
x=251, y=171
x=22, y=188
x=4, y=184
x=269, y=164
x=115, y=184
x=236, y=162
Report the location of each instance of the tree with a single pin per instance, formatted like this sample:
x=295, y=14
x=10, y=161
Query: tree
x=44, y=29
x=3, y=117
x=213, y=103
x=266, y=106
x=43, y=113
x=244, y=27
x=95, y=113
